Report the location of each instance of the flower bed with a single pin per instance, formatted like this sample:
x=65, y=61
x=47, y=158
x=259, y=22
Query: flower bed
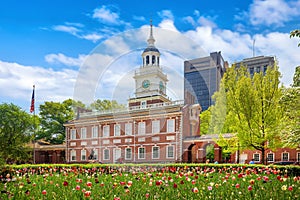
x=148, y=182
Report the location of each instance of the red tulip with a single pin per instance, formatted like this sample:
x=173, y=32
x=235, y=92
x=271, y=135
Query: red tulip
x=195, y=190
x=89, y=184
x=87, y=193
x=147, y=195
x=66, y=183
x=249, y=187
x=44, y=192
x=77, y=187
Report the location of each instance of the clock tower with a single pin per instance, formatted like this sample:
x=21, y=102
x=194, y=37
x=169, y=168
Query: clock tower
x=150, y=81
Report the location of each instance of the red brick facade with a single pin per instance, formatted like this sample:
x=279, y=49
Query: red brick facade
x=150, y=135
x=280, y=154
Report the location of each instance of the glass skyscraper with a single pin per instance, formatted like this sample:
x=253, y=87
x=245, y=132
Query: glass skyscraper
x=202, y=78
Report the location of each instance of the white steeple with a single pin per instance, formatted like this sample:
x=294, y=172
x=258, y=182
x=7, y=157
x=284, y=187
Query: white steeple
x=151, y=39
x=149, y=78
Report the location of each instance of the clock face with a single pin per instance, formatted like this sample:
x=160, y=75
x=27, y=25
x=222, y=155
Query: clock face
x=161, y=85
x=146, y=84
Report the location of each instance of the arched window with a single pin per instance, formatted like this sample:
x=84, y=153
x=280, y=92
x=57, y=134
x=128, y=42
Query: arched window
x=153, y=59
x=157, y=60
x=147, y=60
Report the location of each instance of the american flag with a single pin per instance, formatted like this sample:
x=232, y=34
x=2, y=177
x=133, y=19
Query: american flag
x=32, y=100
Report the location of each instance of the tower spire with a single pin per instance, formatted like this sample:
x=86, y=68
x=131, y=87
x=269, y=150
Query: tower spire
x=151, y=39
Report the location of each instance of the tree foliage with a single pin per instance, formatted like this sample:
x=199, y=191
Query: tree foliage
x=290, y=102
x=205, y=118
x=295, y=33
x=105, y=105
x=16, y=128
x=253, y=110
x=296, y=78
x=52, y=117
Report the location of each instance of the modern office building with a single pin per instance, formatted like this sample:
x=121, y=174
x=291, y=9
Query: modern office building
x=152, y=129
x=202, y=78
x=257, y=64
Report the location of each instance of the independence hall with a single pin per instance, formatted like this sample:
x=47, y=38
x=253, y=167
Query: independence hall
x=152, y=129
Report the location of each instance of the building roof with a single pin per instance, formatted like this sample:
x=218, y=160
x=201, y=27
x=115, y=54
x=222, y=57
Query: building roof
x=151, y=48
x=207, y=137
x=44, y=146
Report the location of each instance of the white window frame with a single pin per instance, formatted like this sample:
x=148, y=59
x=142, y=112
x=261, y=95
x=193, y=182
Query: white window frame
x=83, y=155
x=288, y=156
x=298, y=156
x=156, y=126
x=108, y=154
x=169, y=147
x=106, y=131
x=258, y=157
x=83, y=133
x=268, y=157
x=170, y=125
x=128, y=158
x=94, y=131
x=143, y=104
x=128, y=129
x=117, y=130
x=158, y=150
x=73, y=134
x=142, y=128
x=95, y=154
x=73, y=154
x=142, y=155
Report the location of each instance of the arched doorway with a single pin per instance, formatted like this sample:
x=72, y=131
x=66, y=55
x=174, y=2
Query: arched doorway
x=209, y=151
x=191, y=153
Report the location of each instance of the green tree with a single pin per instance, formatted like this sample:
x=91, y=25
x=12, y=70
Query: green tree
x=106, y=105
x=52, y=117
x=295, y=33
x=296, y=78
x=253, y=108
x=290, y=102
x=16, y=128
x=205, y=118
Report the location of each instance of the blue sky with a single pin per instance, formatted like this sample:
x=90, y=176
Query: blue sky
x=50, y=43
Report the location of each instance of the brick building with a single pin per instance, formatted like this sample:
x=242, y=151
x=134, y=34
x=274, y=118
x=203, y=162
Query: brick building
x=44, y=152
x=152, y=129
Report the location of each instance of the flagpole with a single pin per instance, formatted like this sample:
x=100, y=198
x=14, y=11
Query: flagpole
x=32, y=109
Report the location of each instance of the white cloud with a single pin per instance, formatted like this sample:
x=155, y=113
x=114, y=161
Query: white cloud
x=68, y=29
x=273, y=12
x=206, y=21
x=16, y=82
x=74, y=24
x=71, y=29
x=106, y=15
x=139, y=18
x=197, y=13
x=92, y=37
x=166, y=14
x=168, y=24
x=190, y=20
x=200, y=21
x=63, y=59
